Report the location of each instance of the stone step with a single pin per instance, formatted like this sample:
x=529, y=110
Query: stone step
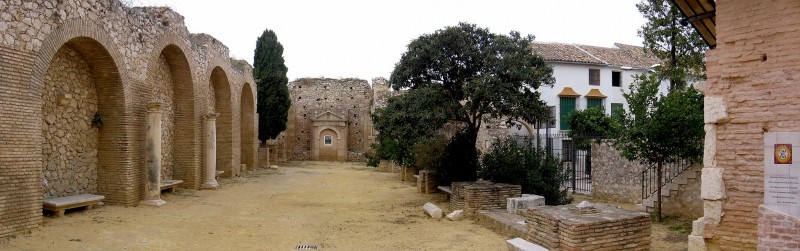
x=502, y=222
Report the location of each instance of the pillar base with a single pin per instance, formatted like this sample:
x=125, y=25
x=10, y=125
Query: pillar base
x=212, y=185
x=156, y=203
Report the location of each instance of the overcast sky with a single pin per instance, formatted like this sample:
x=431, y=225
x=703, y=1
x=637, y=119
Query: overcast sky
x=365, y=38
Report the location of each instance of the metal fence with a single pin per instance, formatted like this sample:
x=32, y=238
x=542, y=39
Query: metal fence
x=578, y=162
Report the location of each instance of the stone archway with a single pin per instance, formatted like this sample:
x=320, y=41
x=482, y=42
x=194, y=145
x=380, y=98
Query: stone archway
x=171, y=78
x=83, y=109
x=222, y=105
x=247, y=128
x=330, y=142
x=329, y=137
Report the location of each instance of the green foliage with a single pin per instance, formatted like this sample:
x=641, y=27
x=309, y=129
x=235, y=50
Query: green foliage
x=530, y=167
x=466, y=73
x=668, y=39
x=661, y=129
x=269, y=70
x=590, y=123
x=477, y=73
x=459, y=162
x=429, y=151
x=385, y=148
x=401, y=121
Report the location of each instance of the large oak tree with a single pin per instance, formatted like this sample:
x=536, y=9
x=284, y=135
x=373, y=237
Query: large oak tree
x=478, y=74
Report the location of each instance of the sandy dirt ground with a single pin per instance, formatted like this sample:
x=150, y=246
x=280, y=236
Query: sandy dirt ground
x=334, y=206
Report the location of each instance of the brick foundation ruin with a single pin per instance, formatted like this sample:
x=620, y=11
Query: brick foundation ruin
x=481, y=195
x=599, y=227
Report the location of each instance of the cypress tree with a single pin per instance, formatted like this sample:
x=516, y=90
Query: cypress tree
x=269, y=70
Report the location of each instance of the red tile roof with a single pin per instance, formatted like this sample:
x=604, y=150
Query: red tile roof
x=619, y=55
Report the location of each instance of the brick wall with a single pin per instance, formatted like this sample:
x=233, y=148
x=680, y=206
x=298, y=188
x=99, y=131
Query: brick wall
x=615, y=178
x=132, y=56
x=754, y=70
x=777, y=231
x=481, y=195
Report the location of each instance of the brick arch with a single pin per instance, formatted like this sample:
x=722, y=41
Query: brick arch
x=248, y=132
x=525, y=126
x=115, y=170
x=221, y=96
x=186, y=124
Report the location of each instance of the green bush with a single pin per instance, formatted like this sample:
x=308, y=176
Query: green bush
x=385, y=148
x=459, y=161
x=428, y=152
x=523, y=164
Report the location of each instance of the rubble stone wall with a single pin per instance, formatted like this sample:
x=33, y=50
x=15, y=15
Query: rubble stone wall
x=62, y=62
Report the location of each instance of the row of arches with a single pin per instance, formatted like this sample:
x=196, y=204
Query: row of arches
x=93, y=115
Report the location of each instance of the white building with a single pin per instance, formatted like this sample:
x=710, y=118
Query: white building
x=589, y=76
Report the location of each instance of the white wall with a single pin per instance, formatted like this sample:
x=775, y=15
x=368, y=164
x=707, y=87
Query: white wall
x=576, y=76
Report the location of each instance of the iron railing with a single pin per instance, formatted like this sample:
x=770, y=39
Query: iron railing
x=670, y=171
x=578, y=162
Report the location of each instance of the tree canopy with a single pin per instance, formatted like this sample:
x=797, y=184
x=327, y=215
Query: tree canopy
x=666, y=37
x=661, y=129
x=476, y=74
x=590, y=123
x=269, y=70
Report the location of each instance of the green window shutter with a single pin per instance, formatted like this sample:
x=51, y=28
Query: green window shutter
x=567, y=107
x=617, y=111
x=594, y=102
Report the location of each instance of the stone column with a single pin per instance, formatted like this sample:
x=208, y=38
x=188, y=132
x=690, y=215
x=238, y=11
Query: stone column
x=152, y=185
x=210, y=181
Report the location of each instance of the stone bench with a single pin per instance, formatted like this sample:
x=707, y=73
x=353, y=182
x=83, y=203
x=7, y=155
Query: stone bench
x=170, y=185
x=61, y=204
x=447, y=190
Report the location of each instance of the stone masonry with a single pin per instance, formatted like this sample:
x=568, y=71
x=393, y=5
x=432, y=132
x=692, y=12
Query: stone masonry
x=75, y=81
x=481, y=195
x=751, y=90
x=352, y=99
x=598, y=227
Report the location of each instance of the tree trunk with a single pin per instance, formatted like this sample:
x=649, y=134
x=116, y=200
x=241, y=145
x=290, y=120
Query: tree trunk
x=673, y=61
x=658, y=193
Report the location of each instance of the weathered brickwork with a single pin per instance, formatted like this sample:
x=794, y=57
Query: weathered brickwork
x=350, y=98
x=599, y=227
x=481, y=195
x=62, y=62
x=777, y=231
x=754, y=70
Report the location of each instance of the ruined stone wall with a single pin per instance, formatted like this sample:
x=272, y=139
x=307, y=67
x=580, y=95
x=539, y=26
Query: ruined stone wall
x=350, y=98
x=752, y=88
x=62, y=62
x=615, y=178
x=69, y=151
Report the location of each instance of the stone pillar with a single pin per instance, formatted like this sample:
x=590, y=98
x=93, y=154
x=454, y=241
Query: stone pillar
x=712, y=186
x=210, y=181
x=152, y=185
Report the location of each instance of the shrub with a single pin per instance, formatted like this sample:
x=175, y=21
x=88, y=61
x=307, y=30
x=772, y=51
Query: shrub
x=459, y=161
x=523, y=164
x=428, y=152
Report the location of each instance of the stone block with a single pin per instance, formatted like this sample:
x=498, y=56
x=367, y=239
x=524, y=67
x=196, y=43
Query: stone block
x=519, y=244
x=710, y=146
x=712, y=211
x=432, y=210
x=525, y=202
x=698, y=227
x=712, y=186
x=456, y=215
x=715, y=111
x=696, y=243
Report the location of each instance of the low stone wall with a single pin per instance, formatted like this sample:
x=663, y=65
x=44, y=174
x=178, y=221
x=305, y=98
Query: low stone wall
x=615, y=178
x=481, y=195
x=599, y=227
x=426, y=183
x=777, y=231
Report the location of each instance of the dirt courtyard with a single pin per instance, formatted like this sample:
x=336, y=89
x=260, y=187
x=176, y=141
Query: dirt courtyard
x=335, y=206
x=331, y=205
